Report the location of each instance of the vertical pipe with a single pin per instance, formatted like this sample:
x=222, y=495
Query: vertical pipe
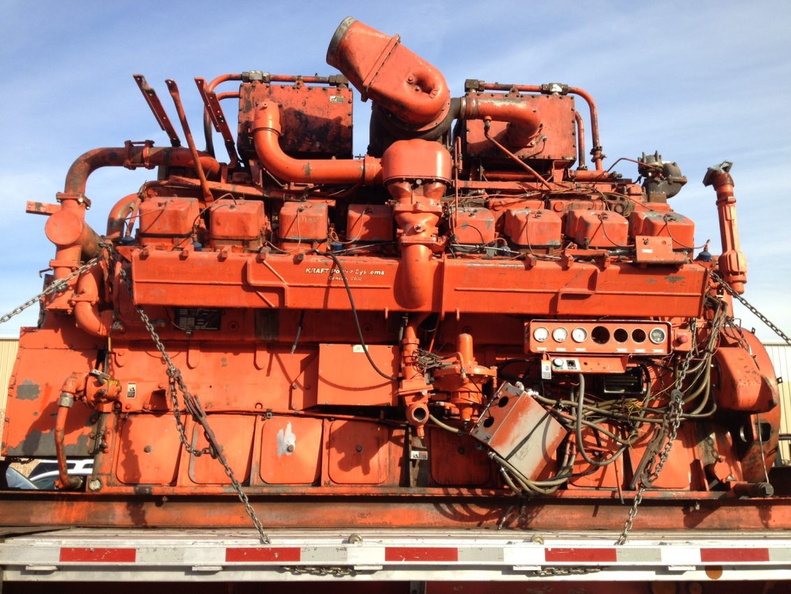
x=732, y=262
x=65, y=402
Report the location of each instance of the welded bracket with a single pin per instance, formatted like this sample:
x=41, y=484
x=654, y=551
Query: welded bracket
x=155, y=104
x=217, y=118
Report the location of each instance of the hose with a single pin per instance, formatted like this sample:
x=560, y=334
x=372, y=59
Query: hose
x=374, y=366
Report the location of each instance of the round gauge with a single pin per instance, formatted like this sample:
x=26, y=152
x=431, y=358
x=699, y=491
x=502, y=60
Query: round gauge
x=579, y=335
x=560, y=334
x=657, y=335
x=540, y=334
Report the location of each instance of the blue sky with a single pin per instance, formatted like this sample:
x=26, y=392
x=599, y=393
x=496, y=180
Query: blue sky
x=701, y=82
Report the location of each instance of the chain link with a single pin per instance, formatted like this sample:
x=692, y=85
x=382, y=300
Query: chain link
x=558, y=571
x=54, y=287
x=319, y=570
x=674, y=413
x=667, y=435
x=753, y=310
x=196, y=411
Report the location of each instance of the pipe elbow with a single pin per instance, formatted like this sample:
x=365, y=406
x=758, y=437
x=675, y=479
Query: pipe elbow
x=131, y=156
x=91, y=320
x=86, y=306
x=392, y=76
x=513, y=110
x=719, y=176
x=266, y=139
x=118, y=215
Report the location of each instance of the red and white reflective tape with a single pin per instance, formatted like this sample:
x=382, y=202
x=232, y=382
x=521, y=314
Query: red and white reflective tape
x=102, y=555
x=42, y=551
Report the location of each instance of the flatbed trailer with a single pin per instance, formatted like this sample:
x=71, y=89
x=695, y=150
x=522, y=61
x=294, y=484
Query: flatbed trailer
x=231, y=556
x=472, y=360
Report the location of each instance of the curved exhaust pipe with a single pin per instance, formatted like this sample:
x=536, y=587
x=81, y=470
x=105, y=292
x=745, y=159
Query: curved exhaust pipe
x=266, y=138
x=118, y=215
x=525, y=122
x=86, y=305
x=132, y=157
x=410, y=89
x=414, y=94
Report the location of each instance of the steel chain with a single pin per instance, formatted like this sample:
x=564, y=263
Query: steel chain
x=670, y=424
x=194, y=407
x=753, y=310
x=318, y=570
x=675, y=409
x=558, y=571
x=55, y=287
x=668, y=432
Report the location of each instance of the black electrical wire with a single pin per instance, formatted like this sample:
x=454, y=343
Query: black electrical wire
x=337, y=263
x=580, y=422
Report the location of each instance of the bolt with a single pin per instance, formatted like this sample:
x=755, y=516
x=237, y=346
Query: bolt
x=359, y=448
x=94, y=484
x=290, y=448
x=147, y=449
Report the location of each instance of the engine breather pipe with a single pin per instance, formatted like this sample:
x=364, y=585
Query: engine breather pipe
x=416, y=174
x=206, y=117
x=732, y=262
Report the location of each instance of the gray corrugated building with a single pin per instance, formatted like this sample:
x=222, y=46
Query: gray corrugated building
x=781, y=358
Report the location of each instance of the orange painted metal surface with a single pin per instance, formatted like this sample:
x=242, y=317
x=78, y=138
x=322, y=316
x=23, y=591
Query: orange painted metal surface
x=391, y=75
x=425, y=335
x=568, y=513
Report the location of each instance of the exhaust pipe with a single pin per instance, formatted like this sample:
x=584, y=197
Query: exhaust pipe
x=732, y=262
x=407, y=87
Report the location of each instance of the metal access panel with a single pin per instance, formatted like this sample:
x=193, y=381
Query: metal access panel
x=520, y=430
x=346, y=378
x=316, y=118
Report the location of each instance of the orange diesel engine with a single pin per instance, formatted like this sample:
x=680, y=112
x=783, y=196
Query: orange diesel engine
x=469, y=310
